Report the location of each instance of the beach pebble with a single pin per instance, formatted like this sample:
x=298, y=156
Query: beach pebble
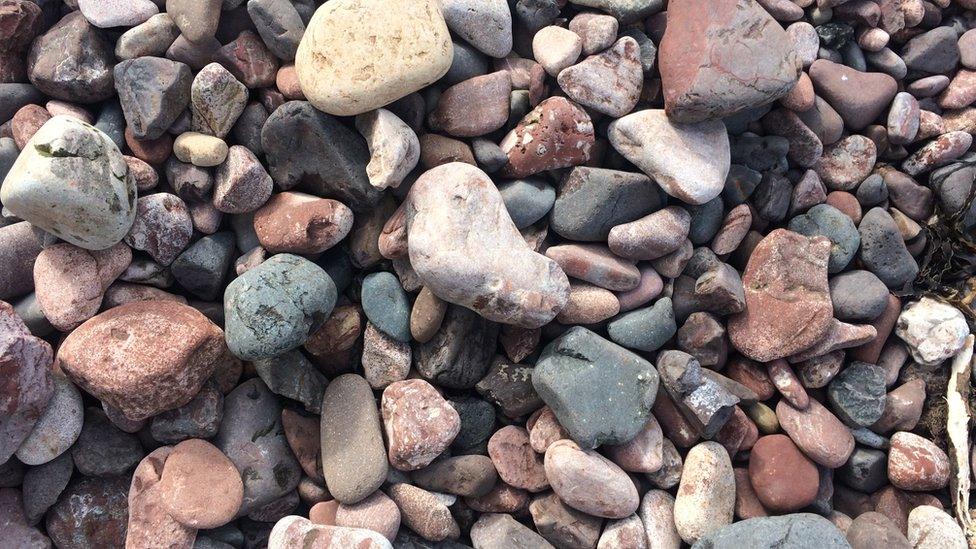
x=418, y=422
x=200, y=487
x=589, y=482
x=934, y=331
x=555, y=134
x=706, y=495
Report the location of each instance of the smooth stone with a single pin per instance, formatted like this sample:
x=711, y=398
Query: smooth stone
x=516, y=461
x=783, y=478
x=148, y=521
x=509, y=387
x=43, y=485
x=154, y=92
x=859, y=97
x=378, y=513
x=589, y=482
x=934, y=52
x=527, y=200
x=694, y=171
x=818, y=432
x=652, y=236
x=200, y=149
x=883, y=250
x=241, y=184
x=866, y=470
x=354, y=457
x=201, y=268
x=598, y=31
x=143, y=357
x=508, y=282
x=292, y=531
x=568, y=378
x=916, y=463
x=150, y=38
x=71, y=281
x=338, y=72
x=291, y=375
x=595, y=264
x=858, y=296
x=610, y=82
x=468, y=475
x=19, y=248
x=793, y=530
x=646, y=329
x=857, y=393
x=556, y=48
x=393, y=146
x=474, y=107
x=930, y=528
x=279, y=24
x=58, y=426
x=827, y=221
x=562, y=525
x=501, y=530
x=301, y=292
x=72, y=61
x=37, y=189
x=386, y=305
x=485, y=25
x=588, y=304
x=200, y=486
x=847, y=162
x=591, y=201
x=706, y=496
x=300, y=223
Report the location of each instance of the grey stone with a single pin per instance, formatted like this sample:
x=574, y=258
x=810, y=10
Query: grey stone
x=865, y=471
x=458, y=356
x=154, y=92
x=202, y=267
x=794, y=531
x=199, y=418
x=19, y=247
x=477, y=424
x=279, y=24
x=72, y=61
x=58, y=427
x=509, y=387
x=828, y=221
x=527, y=200
x=485, y=24
x=592, y=201
x=933, y=52
x=111, y=120
x=706, y=220
x=857, y=393
x=13, y=96
x=291, y=375
x=468, y=62
x=43, y=485
x=883, y=250
x=217, y=100
x=91, y=512
x=624, y=10
x=102, y=449
x=386, y=305
x=858, y=296
x=646, y=329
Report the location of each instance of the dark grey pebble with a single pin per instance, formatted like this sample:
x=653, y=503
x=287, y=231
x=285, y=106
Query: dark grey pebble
x=202, y=267
x=646, y=329
x=527, y=200
x=858, y=296
x=386, y=305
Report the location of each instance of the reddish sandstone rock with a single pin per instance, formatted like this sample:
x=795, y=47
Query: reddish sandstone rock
x=515, y=460
x=301, y=223
x=150, y=524
x=859, y=97
x=701, y=56
x=783, y=478
x=788, y=306
x=555, y=134
x=589, y=482
x=474, y=107
x=818, y=432
x=916, y=463
x=610, y=82
x=201, y=487
x=25, y=368
x=143, y=357
x=419, y=423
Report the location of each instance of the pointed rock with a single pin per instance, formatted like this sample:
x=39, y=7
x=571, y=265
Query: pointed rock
x=154, y=92
x=610, y=82
x=859, y=97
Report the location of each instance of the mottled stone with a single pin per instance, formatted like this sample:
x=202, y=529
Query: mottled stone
x=72, y=61
x=419, y=423
x=153, y=92
x=555, y=134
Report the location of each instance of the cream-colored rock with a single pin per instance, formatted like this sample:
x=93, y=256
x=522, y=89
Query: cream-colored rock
x=706, y=495
x=359, y=55
x=200, y=149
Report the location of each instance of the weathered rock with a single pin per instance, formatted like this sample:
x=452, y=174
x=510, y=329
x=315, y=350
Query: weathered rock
x=610, y=82
x=91, y=512
x=217, y=99
x=485, y=25
x=200, y=487
x=292, y=531
x=419, y=423
x=794, y=530
x=71, y=281
x=153, y=92
x=706, y=495
x=589, y=482
x=25, y=361
x=818, y=432
x=934, y=331
x=72, y=61
x=393, y=146
x=916, y=463
x=859, y=97
x=555, y=134
x=783, y=478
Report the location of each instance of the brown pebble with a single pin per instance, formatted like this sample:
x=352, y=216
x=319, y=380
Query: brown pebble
x=201, y=487
x=301, y=223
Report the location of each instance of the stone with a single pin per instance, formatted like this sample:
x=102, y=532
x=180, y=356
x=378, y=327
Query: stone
x=517, y=287
x=279, y=24
x=591, y=201
x=148, y=520
x=938, y=152
x=610, y=82
x=556, y=48
x=858, y=296
x=701, y=75
x=706, y=495
x=308, y=148
x=857, y=394
x=91, y=512
x=26, y=122
x=300, y=223
x=934, y=331
x=652, y=236
x=705, y=402
x=783, y=478
x=469, y=476
x=153, y=92
x=19, y=248
x=555, y=134
x=527, y=200
x=217, y=100
x=641, y=454
x=500, y=530
x=588, y=482
x=474, y=107
x=930, y=527
x=817, y=432
x=199, y=418
x=37, y=188
x=904, y=119
x=598, y=31
x=56, y=429
x=418, y=422
x=197, y=20
x=44, y=483
x=200, y=149
x=883, y=251
x=292, y=530
x=793, y=530
x=143, y=357
x=826, y=220
x=859, y=97
x=163, y=227
x=847, y=162
x=201, y=268
x=200, y=487
x=386, y=305
x=70, y=281
x=459, y=354
x=588, y=304
x=569, y=378
x=562, y=525
x=291, y=375
x=517, y=463
x=785, y=280
x=689, y=161
x=393, y=146
x=935, y=51
x=916, y=463
x=72, y=61
x=903, y=408
x=485, y=25
x=377, y=513
x=646, y=329
x=866, y=470
x=595, y=264
x=509, y=387
x=150, y=38
x=423, y=512
x=25, y=361
x=241, y=184
x=354, y=457
x=347, y=75
x=301, y=292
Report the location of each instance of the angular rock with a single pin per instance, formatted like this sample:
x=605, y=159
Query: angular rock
x=934, y=331
x=217, y=100
x=72, y=61
x=610, y=82
x=419, y=423
x=153, y=92
x=555, y=134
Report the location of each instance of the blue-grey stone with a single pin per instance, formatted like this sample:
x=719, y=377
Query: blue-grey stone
x=857, y=394
x=648, y=51
x=202, y=267
x=592, y=201
x=739, y=185
x=272, y=308
x=338, y=265
x=477, y=424
x=706, y=220
x=866, y=470
x=883, y=250
x=104, y=450
x=291, y=375
x=8, y=155
x=826, y=220
x=599, y=391
x=795, y=531
x=386, y=305
x=872, y=191
x=858, y=296
x=866, y=437
x=646, y=329
x=468, y=62
x=15, y=96
x=199, y=418
x=527, y=200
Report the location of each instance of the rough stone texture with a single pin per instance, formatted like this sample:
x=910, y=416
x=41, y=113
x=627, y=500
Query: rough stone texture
x=393, y=146
x=217, y=99
x=932, y=528
x=459, y=354
x=163, y=227
x=610, y=82
x=916, y=463
x=293, y=531
x=689, y=161
x=818, y=432
x=72, y=61
x=343, y=73
x=595, y=403
x=91, y=512
x=153, y=92
x=419, y=423
x=517, y=462
x=143, y=357
x=857, y=394
x=474, y=107
x=703, y=76
x=794, y=530
x=498, y=276
x=19, y=247
x=934, y=331
x=555, y=134
x=301, y=223
x=788, y=304
x=25, y=363
x=486, y=25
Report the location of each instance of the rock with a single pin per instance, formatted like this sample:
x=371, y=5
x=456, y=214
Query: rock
x=19, y=247
x=816, y=431
x=115, y=14
x=474, y=107
x=418, y=422
x=595, y=264
x=91, y=512
x=785, y=280
x=588, y=305
x=651, y=237
x=393, y=146
x=694, y=171
x=847, y=162
x=469, y=476
x=930, y=527
x=826, y=220
x=706, y=495
x=904, y=119
x=916, y=463
x=555, y=134
x=143, y=357
x=153, y=92
x=301, y=223
x=199, y=418
x=200, y=487
x=102, y=450
x=71, y=281
x=162, y=227
x=883, y=251
x=149, y=522
x=458, y=355
x=423, y=512
x=25, y=361
x=293, y=530
x=702, y=77
x=301, y=292
x=347, y=75
x=873, y=529
x=859, y=97
x=241, y=184
x=641, y=454
x=903, y=408
x=72, y=61
x=309, y=148
x=857, y=394
x=197, y=20
x=386, y=305
x=783, y=478
x=38, y=189
x=562, y=525
x=201, y=268
x=150, y=38
x=377, y=513
x=610, y=82
x=485, y=25
x=940, y=151
x=292, y=375
x=516, y=461
x=57, y=428
x=646, y=329
x=858, y=296
x=509, y=387
x=524, y=288
x=657, y=513
x=591, y=201
x=934, y=331
x=556, y=48
x=500, y=530
x=279, y=24
x=935, y=51
x=217, y=100
x=589, y=482
x=200, y=149
x=794, y=530
x=527, y=200
x=353, y=455
x=43, y=484
x=569, y=380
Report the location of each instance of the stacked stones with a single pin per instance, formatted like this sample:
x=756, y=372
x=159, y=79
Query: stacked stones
x=484, y=273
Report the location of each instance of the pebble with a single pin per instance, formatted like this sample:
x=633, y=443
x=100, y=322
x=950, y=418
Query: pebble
x=57, y=427
x=200, y=487
x=339, y=73
x=91, y=512
x=527, y=200
x=930, y=527
x=377, y=513
x=474, y=107
x=817, y=432
x=859, y=97
x=706, y=495
x=217, y=100
x=301, y=292
x=568, y=380
x=44, y=484
x=201, y=268
x=649, y=287
x=562, y=525
x=858, y=296
x=300, y=223
x=200, y=149
x=423, y=512
x=516, y=461
x=783, y=478
x=610, y=82
x=419, y=423
x=292, y=375
x=586, y=481
x=499, y=530
x=459, y=354
x=689, y=161
x=555, y=134
x=72, y=61
x=393, y=146
x=143, y=357
x=293, y=530
x=36, y=188
x=792, y=530
x=591, y=201
x=641, y=454
x=883, y=251
x=903, y=119
x=857, y=394
x=153, y=92
x=525, y=289
x=652, y=236
x=353, y=454
x=847, y=162
x=280, y=25
x=70, y=281
x=556, y=48
x=199, y=418
x=150, y=38
x=485, y=25
x=916, y=463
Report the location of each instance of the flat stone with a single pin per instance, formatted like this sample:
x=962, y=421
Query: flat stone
x=783, y=264
x=859, y=97
x=378, y=513
x=200, y=487
x=424, y=513
x=515, y=460
x=71, y=281
x=340, y=73
x=57, y=428
x=689, y=161
x=793, y=530
x=652, y=236
x=102, y=450
x=858, y=296
x=646, y=329
x=857, y=394
x=517, y=287
x=301, y=223
x=279, y=24
x=702, y=76
x=205, y=151
x=72, y=61
x=935, y=51
x=149, y=38
x=570, y=379
x=595, y=264
x=474, y=107
x=153, y=92
x=143, y=357
x=610, y=82
x=817, y=432
x=418, y=422
x=783, y=478
x=43, y=485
